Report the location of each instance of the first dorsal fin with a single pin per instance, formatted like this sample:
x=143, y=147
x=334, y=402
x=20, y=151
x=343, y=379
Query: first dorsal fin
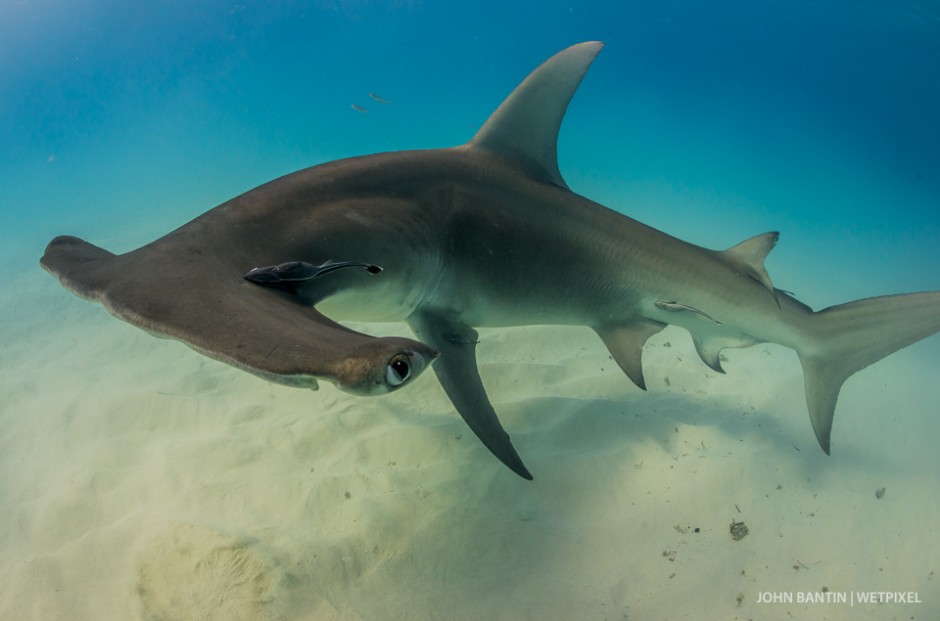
x=525, y=127
x=750, y=255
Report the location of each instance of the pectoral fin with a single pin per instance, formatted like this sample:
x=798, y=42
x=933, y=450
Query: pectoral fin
x=456, y=369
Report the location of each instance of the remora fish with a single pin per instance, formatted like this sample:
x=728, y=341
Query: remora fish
x=484, y=234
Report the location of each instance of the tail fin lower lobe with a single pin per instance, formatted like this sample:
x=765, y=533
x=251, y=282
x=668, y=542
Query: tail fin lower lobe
x=849, y=337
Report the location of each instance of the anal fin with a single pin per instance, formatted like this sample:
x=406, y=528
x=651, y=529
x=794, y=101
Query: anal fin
x=709, y=348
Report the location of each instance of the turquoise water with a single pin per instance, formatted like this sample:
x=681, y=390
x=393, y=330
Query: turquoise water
x=814, y=119
x=711, y=121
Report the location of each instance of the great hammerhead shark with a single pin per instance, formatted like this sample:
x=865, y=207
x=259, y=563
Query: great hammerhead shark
x=448, y=240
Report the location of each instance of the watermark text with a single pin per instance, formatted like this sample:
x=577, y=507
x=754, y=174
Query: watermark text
x=838, y=597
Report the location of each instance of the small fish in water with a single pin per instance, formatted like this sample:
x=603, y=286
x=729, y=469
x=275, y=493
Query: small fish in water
x=379, y=99
x=359, y=108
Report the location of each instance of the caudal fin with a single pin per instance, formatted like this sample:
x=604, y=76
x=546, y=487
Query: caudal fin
x=849, y=337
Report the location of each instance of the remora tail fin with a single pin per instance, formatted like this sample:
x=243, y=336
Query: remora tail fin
x=849, y=337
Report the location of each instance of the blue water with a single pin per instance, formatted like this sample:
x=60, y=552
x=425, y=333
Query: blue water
x=713, y=121
x=811, y=118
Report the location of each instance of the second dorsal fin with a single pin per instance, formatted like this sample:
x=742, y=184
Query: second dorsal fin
x=524, y=129
x=750, y=254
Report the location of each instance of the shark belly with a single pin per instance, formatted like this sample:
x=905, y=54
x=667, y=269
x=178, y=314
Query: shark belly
x=382, y=303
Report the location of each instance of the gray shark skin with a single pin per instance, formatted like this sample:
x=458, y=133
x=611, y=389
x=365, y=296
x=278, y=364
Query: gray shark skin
x=449, y=240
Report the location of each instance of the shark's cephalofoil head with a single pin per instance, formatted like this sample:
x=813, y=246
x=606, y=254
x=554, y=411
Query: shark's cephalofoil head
x=383, y=365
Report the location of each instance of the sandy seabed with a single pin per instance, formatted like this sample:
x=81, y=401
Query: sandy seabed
x=140, y=480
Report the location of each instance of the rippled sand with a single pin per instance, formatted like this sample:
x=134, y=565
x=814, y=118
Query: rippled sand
x=139, y=479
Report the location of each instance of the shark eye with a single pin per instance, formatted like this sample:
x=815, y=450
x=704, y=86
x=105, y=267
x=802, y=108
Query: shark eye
x=398, y=370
